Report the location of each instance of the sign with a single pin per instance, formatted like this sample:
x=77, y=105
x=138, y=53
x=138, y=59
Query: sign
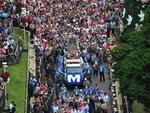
x=74, y=78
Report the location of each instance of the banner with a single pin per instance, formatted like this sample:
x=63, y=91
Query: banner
x=74, y=78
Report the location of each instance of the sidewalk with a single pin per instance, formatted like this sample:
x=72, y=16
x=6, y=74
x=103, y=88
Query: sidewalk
x=32, y=60
x=105, y=86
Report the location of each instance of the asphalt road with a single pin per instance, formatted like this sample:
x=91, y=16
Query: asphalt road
x=105, y=86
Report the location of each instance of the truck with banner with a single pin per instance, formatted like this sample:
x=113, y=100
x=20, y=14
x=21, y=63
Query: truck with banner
x=73, y=71
x=73, y=64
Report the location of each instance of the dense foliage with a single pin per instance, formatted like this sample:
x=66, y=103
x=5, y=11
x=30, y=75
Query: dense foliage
x=133, y=62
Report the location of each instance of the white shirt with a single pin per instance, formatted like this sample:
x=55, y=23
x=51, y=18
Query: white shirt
x=55, y=109
x=106, y=98
x=102, y=95
x=11, y=106
x=86, y=108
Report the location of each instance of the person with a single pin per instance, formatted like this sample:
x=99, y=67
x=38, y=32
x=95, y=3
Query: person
x=101, y=73
x=86, y=67
x=86, y=107
x=5, y=75
x=91, y=105
x=90, y=70
x=95, y=68
x=12, y=108
x=86, y=90
x=76, y=91
x=86, y=82
x=55, y=108
x=104, y=107
x=106, y=98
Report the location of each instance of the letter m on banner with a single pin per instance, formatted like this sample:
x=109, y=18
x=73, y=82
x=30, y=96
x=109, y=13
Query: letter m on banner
x=74, y=78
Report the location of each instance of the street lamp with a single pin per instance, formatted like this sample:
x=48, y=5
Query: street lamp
x=4, y=66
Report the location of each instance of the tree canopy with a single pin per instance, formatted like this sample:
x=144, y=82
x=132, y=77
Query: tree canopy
x=133, y=62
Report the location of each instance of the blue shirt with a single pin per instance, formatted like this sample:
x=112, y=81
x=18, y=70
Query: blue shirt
x=85, y=91
x=101, y=68
x=90, y=70
x=59, y=60
x=1, y=29
x=64, y=95
x=91, y=90
x=76, y=91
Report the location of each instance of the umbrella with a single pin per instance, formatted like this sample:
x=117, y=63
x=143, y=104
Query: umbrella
x=5, y=15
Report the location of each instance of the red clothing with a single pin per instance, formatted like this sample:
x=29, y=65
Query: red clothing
x=95, y=23
x=44, y=1
x=107, y=47
x=79, y=105
x=118, y=5
x=29, y=2
x=67, y=110
x=1, y=10
x=104, y=33
x=104, y=17
x=42, y=87
x=4, y=75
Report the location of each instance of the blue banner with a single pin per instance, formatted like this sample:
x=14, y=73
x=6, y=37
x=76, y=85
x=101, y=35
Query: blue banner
x=74, y=78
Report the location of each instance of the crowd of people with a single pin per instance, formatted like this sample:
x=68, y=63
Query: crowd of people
x=52, y=23
x=80, y=100
x=42, y=95
x=87, y=99
x=7, y=43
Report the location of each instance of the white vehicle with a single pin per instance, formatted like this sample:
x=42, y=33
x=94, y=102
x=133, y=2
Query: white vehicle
x=73, y=71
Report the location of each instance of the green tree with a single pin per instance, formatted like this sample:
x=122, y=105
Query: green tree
x=133, y=63
x=133, y=8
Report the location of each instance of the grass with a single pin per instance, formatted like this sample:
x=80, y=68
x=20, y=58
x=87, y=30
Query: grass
x=16, y=88
x=138, y=107
x=20, y=33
